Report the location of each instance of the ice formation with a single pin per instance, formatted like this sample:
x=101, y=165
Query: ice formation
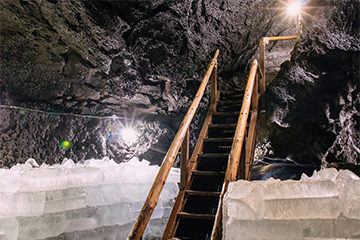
x=80, y=200
x=324, y=206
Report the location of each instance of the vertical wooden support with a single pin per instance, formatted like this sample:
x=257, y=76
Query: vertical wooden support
x=214, y=84
x=250, y=145
x=262, y=83
x=184, y=160
x=243, y=157
x=263, y=42
x=255, y=97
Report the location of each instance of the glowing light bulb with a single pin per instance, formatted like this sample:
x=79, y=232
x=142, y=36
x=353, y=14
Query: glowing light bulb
x=294, y=8
x=129, y=135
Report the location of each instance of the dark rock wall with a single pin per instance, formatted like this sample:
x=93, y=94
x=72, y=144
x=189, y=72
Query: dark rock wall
x=144, y=60
x=314, y=102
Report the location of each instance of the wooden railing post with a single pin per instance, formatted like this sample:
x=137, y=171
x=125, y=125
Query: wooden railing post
x=255, y=97
x=184, y=160
x=262, y=83
x=263, y=42
x=214, y=84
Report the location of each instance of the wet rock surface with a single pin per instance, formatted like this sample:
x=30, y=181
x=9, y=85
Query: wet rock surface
x=145, y=59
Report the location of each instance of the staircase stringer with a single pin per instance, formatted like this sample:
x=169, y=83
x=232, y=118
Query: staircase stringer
x=170, y=226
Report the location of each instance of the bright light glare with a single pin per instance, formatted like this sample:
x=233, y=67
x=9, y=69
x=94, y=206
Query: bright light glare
x=129, y=135
x=294, y=8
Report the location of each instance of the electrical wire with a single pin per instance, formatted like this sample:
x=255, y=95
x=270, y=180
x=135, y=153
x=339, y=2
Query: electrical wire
x=64, y=114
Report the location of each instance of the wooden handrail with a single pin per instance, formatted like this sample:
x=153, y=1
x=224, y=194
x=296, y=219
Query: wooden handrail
x=159, y=182
x=233, y=164
x=263, y=42
x=237, y=145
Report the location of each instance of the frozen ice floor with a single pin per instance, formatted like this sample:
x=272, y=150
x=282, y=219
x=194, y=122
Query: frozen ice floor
x=99, y=199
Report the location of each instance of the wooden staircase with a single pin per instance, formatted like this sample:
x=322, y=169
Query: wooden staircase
x=194, y=213
x=223, y=153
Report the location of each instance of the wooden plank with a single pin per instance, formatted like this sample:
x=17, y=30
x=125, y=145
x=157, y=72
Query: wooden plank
x=218, y=139
x=214, y=84
x=208, y=173
x=230, y=102
x=226, y=125
x=250, y=145
x=214, y=155
x=196, y=216
x=201, y=193
x=229, y=92
x=227, y=113
x=184, y=160
x=241, y=169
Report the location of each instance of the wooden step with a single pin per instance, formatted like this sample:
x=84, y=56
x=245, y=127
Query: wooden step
x=212, y=162
x=201, y=193
x=230, y=102
x=213, y=155
x=231, y=95
x=201, y=204
x=194, y=228
x=196, y=216
x=229, y=139
x=230, y=92
x=207, y=183
x=233, y=125
x=208, y=173
x=221, y=130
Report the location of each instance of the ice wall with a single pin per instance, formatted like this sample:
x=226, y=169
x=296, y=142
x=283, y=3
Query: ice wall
x=325, y=206
x=98, y=199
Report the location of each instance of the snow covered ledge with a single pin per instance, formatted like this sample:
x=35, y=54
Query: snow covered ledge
x=99, y=199
x=325, y=206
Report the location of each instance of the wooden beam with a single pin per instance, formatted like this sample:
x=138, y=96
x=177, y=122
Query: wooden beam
x=184, y=160
x=250, y=145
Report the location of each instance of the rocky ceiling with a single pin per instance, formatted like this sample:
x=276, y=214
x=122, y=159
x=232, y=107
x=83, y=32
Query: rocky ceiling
x=72, y=65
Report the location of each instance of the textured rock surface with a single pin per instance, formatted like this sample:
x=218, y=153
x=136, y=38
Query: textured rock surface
x=314, y=102
x=146, y=59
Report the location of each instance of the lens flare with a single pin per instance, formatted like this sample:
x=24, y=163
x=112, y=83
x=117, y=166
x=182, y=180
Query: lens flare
x=22, y=112
x=294, y=8
x=129, y=135
x=114, y=128
x=65, y=144
x=117, y=131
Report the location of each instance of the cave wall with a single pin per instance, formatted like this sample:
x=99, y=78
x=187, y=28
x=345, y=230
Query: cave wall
x=131, y=59
x=313, y=104
x=143, y=60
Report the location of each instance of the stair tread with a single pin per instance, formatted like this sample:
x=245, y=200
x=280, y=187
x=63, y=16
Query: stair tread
x=231, y=92
x=202, y=193
x=213, y=155
x=227, y=113
x=196, y=215
x=225, y=125
x=224, y=102
x=208, y=173
x=218, y=139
